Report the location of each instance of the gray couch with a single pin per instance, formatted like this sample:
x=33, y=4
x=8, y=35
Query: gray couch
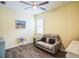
x=51, y=48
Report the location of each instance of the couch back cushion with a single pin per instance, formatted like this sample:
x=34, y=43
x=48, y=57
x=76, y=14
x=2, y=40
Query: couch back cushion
x=43, y=39
x=55, y=37
x=51, y=41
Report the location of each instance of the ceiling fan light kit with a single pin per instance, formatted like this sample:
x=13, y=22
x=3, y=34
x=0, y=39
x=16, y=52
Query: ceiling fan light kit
x=34, y=7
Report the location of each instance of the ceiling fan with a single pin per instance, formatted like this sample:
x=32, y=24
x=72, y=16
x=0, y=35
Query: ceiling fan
x=35, y=5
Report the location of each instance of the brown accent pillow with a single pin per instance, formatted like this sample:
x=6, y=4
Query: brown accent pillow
x=51, y=41
x=43, y=39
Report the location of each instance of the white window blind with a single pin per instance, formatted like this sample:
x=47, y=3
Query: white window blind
x=39, y=26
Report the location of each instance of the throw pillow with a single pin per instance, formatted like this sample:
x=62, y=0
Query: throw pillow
x=43, y=39
x=51, y=41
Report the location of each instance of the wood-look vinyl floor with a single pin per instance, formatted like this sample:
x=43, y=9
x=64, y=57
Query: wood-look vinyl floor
x=30, y=51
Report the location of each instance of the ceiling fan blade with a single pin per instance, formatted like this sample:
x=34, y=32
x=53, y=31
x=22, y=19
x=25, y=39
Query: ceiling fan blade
x=3, y=2
x=42, y=8
x=46, y=2
x=25, y=3
x=27, y=7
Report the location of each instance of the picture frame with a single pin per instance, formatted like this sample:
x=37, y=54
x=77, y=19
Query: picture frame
x=20, y=24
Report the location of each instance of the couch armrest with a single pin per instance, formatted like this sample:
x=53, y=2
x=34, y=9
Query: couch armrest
x=56, y=46
x=35, y=40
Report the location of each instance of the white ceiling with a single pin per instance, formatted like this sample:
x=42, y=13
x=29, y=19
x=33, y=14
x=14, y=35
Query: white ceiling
x=18, y=6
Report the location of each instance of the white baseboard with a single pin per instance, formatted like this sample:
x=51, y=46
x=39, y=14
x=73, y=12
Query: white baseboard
x=11, y=47
x=16, y=46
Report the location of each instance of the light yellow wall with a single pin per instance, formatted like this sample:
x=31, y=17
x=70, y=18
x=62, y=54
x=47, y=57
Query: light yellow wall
x=8, y=28
x=63, y=21
x=0, y=27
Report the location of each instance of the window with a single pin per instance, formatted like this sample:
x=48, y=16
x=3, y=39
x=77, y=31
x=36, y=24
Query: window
x=39, y=26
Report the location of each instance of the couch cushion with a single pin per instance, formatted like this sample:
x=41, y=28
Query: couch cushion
x=47, y=37
x=54, y=36
x=51, y=41
x=45, y=45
